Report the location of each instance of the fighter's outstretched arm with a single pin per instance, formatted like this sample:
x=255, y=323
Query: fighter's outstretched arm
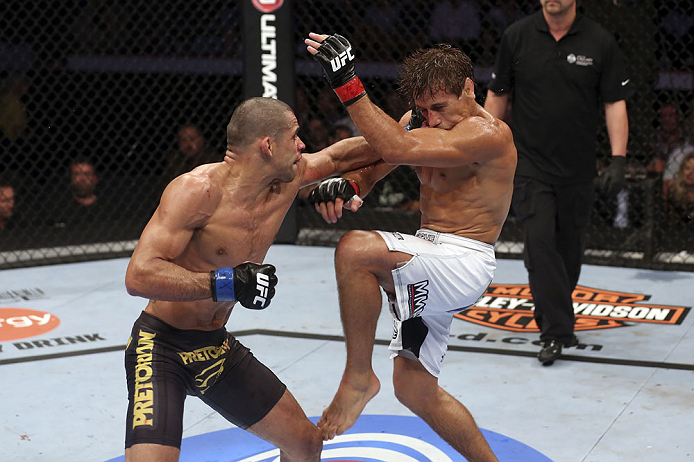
x=344, y=156
x=472, y=140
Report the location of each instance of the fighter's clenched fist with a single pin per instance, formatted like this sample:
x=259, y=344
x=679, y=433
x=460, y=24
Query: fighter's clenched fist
x=334, y=54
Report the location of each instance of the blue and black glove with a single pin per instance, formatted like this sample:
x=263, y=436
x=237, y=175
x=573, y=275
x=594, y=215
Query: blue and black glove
x=250, y=284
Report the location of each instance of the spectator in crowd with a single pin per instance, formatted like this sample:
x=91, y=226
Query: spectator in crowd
x=12, y=230
x=674, y=162
x=316, y=135
x=7, y=201
x=669, y=141
x=560, y=65
x=679, y=198
x=339, y=132
x=192, y=151
x=80, y=205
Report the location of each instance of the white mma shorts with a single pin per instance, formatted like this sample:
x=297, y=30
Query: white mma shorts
x=446, y=275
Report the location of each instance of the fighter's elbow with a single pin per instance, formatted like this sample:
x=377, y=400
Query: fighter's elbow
x=134, y=282
x=392, y=156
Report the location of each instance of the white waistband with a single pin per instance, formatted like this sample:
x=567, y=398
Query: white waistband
x=444, y=238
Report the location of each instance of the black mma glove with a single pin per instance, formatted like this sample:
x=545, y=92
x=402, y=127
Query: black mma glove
x=332, y=188
x=250, y=284
x=612, y=179
x=416, y=119
x=336, y=58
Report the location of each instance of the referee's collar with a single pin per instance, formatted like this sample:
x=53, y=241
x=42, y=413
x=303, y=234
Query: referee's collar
x=541, y=23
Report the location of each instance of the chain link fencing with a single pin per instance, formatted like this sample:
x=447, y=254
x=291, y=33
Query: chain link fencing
x=102, y=103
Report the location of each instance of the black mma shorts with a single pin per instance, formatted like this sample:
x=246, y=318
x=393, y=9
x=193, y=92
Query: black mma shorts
x=164, y=364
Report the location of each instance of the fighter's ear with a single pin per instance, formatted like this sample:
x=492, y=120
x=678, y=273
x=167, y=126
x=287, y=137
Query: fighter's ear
x=469, y=88
x=266, y=146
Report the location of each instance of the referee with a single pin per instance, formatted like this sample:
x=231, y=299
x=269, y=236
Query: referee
x=559, y=66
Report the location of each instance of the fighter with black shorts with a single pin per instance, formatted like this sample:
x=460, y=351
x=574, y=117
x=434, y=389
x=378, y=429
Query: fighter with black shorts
x=201, y=256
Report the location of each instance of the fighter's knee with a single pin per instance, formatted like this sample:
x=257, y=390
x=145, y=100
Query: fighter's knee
x=356, y=244
x=353, y=238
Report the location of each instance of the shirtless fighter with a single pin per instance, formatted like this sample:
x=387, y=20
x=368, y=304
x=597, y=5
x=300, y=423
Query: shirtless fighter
x=465, y=160
x=200, y=253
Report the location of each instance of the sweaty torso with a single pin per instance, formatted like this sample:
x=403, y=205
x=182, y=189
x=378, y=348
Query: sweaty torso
x=240, y=229
x=470, y=201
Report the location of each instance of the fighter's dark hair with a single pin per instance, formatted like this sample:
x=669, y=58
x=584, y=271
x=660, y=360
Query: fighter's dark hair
x=255, y=118
x=427, y=71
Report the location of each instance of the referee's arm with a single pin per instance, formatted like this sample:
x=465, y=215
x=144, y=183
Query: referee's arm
x=496, y=104
x=617, y=126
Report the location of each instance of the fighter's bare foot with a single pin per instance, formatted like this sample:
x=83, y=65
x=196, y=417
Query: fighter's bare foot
x=349, y=401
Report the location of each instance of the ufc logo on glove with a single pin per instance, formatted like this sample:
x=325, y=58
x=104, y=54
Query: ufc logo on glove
x=342, y=59
x=263, y=282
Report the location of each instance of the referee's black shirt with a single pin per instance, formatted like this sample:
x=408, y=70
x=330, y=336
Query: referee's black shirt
x=558, y=90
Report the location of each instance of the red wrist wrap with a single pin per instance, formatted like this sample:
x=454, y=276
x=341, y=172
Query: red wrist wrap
x=355, y=186
x=351, y=91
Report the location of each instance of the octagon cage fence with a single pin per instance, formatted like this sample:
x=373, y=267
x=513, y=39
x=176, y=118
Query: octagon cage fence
x=116, y=98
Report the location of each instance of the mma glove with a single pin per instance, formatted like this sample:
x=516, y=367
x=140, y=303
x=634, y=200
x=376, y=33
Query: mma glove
x=416, y=119
x=612, y=180
x=336, y=58
x=332, y=188
x=250, y=284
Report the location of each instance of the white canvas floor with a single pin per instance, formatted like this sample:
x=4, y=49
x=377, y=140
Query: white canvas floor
x=627, y=394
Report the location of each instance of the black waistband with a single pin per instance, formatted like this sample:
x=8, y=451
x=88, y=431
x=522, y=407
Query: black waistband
x=192, y=336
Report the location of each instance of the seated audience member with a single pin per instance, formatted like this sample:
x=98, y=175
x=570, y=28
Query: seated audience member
x=7, y=200
x=80, y=203
x=192, y=151
x=339, y=132
x=679, y=198
x=89, y=210
x=669, y=143
x=316, y=135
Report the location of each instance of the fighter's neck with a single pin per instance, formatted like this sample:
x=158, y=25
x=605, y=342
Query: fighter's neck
x=250, y=182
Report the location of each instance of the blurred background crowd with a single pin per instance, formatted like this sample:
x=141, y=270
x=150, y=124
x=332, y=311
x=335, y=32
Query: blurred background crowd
x=102, y=103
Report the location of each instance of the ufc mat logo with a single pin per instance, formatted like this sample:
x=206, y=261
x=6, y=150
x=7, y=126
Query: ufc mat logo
x=263, y=282
x=342, y=59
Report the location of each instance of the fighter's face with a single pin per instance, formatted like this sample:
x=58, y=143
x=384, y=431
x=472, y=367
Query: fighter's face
x=557, y=7
x=6, y=201
x=287, y=151
x=442, y=110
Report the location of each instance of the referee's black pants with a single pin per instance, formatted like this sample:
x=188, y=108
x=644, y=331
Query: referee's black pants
x=554, y=219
